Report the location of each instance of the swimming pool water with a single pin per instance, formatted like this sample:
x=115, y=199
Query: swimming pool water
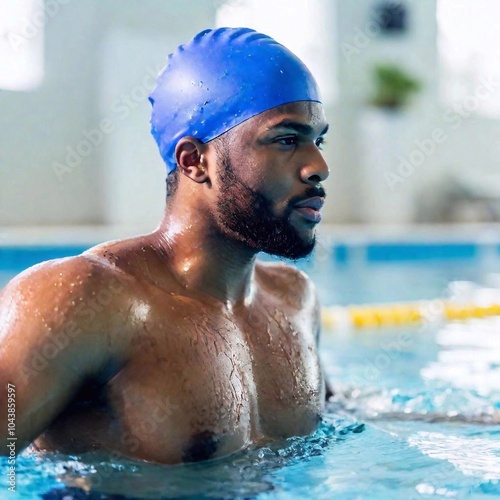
x=416, y=412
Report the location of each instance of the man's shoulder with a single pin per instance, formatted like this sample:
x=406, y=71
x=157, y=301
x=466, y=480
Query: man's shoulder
x=79, y=270
x=289, y=282
x=76, y=298
x=62, y=282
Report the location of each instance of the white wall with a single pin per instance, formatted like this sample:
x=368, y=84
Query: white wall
x=99, y=52
x=37, y=126
x=359, y=48
x=96, y=53
x=360, y=191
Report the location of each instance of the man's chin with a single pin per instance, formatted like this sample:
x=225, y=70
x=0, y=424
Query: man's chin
x=293, y=250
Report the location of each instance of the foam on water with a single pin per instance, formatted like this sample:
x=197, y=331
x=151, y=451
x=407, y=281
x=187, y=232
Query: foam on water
x=244, y=474
x=343, y=459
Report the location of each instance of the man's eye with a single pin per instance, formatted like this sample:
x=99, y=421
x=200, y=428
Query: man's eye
x=294, y=141
x=320, y=142
x=287, y=141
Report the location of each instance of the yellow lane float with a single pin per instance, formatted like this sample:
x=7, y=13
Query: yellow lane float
x=396, y=314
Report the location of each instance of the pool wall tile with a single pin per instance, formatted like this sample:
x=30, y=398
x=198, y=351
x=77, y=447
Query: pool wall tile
x=341, y=253
x=18, y=258
x=377, y=252
x=22, y=257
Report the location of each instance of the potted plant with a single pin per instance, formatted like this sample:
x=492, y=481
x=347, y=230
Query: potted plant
x=387, y=135
x=393, y=86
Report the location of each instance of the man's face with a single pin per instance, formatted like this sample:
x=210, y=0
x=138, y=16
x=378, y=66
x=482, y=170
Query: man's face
x=268, y=166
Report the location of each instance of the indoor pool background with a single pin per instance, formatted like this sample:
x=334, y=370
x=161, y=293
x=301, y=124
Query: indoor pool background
x=416, y=413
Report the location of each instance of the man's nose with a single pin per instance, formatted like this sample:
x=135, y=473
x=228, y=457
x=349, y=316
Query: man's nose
x=314, y=168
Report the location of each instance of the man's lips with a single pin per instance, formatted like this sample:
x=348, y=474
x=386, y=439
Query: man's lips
x=316, y=202
x=310, y=208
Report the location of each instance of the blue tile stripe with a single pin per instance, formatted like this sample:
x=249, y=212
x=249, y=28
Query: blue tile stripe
x=341, y=253
x=409, y=251
x=18, y=258
x=383, y=252
x=21, y=257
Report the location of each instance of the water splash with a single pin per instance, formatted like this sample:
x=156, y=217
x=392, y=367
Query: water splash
x=246, y=473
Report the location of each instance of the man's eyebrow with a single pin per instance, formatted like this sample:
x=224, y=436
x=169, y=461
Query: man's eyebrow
x=297, y=126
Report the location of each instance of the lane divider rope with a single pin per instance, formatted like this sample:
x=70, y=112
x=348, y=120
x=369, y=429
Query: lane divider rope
x=396, y=314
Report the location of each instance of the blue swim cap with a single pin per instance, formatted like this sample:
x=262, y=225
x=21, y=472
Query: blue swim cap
x=220, y=79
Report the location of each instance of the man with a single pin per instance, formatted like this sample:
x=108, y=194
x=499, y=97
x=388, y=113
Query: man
x=179, y=345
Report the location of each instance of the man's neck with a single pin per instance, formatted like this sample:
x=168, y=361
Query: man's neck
x=203, y=259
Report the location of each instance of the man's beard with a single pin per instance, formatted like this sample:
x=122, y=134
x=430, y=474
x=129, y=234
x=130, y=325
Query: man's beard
x=248, y=215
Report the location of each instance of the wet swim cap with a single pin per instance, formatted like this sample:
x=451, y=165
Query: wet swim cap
x=220, y=79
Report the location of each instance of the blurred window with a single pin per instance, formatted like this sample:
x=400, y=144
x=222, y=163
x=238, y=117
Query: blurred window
x=303, y=26
x=21, y=44
x=469, y=42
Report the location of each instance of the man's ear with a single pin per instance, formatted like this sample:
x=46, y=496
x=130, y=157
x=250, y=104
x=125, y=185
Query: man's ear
x=189, y=155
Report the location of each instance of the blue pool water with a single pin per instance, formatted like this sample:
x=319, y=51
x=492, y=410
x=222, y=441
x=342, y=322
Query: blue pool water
x=416, y=414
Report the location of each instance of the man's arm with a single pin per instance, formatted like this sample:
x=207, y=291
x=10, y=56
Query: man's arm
x=51, y=341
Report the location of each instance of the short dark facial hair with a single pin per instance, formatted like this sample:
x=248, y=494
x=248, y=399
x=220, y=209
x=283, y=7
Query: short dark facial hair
x=248, y=214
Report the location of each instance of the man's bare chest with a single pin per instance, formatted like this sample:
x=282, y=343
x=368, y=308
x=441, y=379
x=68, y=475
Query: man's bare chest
x=241, y=378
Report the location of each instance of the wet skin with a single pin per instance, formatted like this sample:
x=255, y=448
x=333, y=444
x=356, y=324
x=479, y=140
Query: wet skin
x=178, y=346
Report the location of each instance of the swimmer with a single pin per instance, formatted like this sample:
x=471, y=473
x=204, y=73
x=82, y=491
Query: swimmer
x=179, y=345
